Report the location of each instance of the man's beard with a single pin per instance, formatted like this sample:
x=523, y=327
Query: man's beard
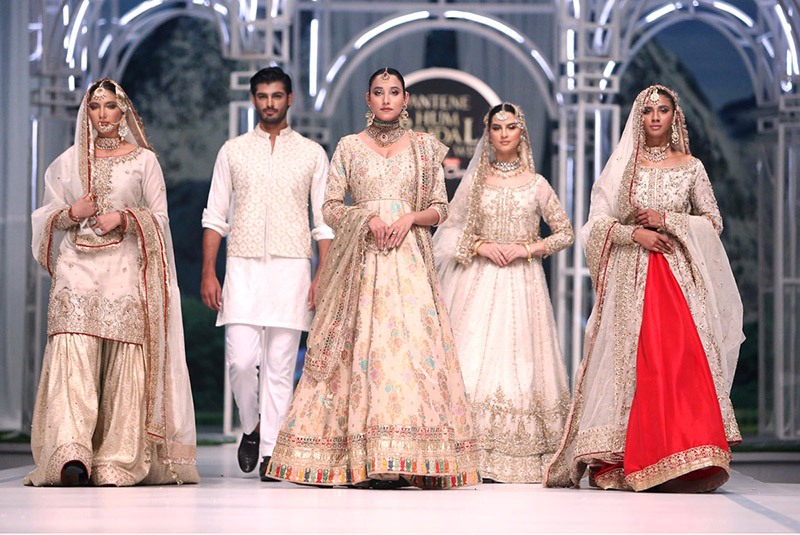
x=275, y=119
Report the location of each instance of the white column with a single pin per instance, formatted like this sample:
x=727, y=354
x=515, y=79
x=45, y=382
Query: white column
x=15, y=196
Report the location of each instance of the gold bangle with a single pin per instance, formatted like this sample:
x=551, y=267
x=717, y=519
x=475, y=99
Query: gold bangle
x=475, y=247
x=527, y=248
x=72, y=217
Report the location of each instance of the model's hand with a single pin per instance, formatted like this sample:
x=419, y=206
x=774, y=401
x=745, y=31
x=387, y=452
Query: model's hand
x=399, y=229
x=84, y=206
x=211, y=292
x=652, y=241
x=517, y=250
x=380, y=231
x=493, y=252
x=649, y=219
x=312, y=293
x=105, y=223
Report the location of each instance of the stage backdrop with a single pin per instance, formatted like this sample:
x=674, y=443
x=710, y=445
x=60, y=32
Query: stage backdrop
x=451, y=105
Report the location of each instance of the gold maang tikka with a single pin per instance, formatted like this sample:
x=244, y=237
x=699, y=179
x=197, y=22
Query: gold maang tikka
x=653, y=97
x=385, y=76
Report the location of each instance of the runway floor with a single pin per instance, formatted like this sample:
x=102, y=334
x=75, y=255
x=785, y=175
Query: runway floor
x=229, y=501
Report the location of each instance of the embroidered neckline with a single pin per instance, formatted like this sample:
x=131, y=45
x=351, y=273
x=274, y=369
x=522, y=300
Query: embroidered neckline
x=123, y=158
x=533, y=180
x=671, y=167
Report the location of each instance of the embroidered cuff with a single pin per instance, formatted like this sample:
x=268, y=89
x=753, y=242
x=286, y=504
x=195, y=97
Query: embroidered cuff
x=63, y=221
x=442, y=210
x=623, y=234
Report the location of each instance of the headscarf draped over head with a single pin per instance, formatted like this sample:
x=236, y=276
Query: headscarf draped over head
x=605, y=382
x=85, y=134
x=622, y=165
x=456, y=237
x=169, y=420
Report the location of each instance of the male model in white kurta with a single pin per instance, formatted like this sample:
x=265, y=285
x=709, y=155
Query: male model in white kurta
x=259, y=198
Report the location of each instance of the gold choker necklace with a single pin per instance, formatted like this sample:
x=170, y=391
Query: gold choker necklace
x=383, y=133
x=655, y=154
x=108, y=143
x=507, y=169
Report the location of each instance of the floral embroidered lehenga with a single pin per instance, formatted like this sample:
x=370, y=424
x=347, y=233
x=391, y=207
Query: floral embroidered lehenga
x=114, y=392
x=381, y=393
x=502, y=317
x=651, y=405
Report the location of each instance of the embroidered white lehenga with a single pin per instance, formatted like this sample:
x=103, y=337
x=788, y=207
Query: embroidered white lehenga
x=114, y=392
x=502, y=318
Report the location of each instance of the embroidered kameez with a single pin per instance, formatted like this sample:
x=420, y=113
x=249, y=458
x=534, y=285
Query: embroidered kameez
x=114, y=392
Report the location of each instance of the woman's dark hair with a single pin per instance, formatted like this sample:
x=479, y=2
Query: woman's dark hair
x=105, y=84
x=388, y=70
x=268, y=76
x=494, y=111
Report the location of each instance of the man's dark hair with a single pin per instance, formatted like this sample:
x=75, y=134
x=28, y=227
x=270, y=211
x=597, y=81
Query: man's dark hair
x=268, y=76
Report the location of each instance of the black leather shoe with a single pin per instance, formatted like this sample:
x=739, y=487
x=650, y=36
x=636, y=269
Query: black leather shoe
x=248, y=451
x=74, y=474
x=262, y=470
x=389, y=484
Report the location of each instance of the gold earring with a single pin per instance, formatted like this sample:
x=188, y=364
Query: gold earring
x=674, y=135
x=123, y=127
x=404, y=117
x=370, y=116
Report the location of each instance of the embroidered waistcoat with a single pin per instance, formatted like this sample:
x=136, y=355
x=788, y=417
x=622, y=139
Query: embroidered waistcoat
x=274, y=186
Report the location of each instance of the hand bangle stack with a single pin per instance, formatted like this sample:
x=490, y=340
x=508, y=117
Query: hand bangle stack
x=528, y=248
x=123, y=221
x=475, y=247
x=72, y=217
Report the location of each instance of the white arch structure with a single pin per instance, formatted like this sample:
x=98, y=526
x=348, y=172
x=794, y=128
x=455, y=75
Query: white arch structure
x=75, y=41
x=387, y=30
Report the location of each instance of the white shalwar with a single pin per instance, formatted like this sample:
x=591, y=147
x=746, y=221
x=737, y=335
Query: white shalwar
x=267, y=293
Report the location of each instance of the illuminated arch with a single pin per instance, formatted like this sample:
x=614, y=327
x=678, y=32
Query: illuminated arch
x=363, y=45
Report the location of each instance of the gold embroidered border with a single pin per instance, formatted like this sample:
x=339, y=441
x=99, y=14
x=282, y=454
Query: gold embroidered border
x=94, y=314
x=64, y=454
x=108, y=474
x=505, y=468
x=422, y=451
x=612, y=479
x=678, y=464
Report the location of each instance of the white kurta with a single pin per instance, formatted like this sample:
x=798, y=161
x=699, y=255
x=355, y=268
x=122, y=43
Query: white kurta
x=269, y=291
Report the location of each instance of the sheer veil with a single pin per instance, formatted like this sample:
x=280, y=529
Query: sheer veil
x=703, y=243
x=170, y=414
x=454, y=239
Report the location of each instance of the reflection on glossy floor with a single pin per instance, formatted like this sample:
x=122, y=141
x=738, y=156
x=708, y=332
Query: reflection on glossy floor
x=227, y=500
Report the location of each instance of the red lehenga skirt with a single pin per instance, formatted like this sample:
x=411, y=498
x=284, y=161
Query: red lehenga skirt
x=675, y=438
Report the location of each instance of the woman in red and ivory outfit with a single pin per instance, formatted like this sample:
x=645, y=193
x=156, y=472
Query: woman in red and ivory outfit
x=114, y=405
x=651, y=407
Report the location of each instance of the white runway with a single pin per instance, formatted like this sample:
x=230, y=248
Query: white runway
x=229, y=501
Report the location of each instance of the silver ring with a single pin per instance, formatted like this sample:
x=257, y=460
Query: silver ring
x=394, y=232
x=98, y=231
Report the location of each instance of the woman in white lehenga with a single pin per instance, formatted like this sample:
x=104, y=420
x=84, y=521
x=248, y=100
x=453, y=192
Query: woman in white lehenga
x=114, y=405
x=651, y=407
x=489, y=258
